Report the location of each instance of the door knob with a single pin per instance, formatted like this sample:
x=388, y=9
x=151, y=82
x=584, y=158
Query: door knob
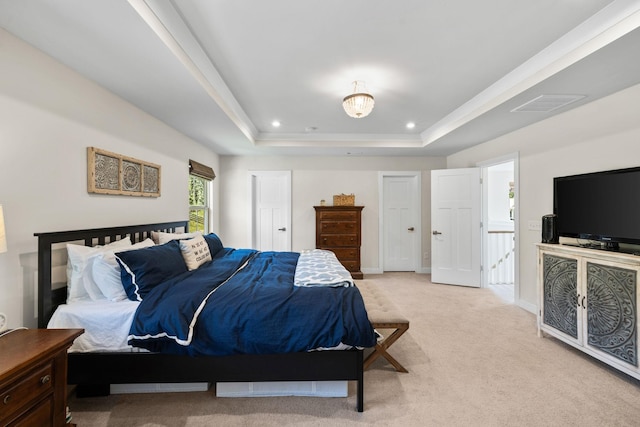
x=410, y=228
x=282, y=229
x=435, y=232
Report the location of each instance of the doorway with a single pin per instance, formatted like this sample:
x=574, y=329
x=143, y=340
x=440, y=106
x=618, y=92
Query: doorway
x=497, y=262
x=499, y=235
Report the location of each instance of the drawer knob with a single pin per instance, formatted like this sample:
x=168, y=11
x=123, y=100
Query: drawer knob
x=6, y=399
x=45, y=379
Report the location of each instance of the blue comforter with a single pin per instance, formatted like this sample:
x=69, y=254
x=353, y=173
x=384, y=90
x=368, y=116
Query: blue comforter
x=245, y=301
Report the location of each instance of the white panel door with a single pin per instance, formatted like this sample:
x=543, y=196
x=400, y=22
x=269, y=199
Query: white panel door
x=271, y=223
x=399, y=223
x=456, y=226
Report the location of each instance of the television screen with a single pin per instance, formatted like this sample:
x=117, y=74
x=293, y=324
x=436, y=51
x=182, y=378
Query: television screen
x=602, y=206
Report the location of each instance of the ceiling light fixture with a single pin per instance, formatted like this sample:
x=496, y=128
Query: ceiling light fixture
x=359, y=104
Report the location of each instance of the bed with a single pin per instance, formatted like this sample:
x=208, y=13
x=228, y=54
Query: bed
x=94, y=371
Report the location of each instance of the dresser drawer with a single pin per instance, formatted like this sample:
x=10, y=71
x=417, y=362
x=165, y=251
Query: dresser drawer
x=333, y=240
x=351, y=266
x=338, y=227
x=27, y=388
x=347, y=254
x=339, y=215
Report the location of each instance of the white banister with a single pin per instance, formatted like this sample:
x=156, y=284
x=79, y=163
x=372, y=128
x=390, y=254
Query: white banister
x=501, y=247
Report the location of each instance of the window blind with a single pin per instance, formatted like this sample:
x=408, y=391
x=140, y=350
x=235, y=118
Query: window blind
x=203, y=171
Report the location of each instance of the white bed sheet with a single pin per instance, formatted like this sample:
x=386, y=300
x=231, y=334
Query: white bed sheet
x=106, y=324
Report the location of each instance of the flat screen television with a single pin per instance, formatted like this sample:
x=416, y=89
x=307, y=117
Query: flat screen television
x=600, y=206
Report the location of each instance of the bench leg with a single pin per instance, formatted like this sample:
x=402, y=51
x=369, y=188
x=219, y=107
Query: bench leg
x=381, y=347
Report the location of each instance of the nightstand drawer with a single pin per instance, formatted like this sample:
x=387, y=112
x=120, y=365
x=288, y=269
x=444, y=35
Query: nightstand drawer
x=39, y=415
x=27, y=388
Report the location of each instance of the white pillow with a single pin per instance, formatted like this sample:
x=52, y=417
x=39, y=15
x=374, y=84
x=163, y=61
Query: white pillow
x=195, y=252
x=161, y=237
x=105, y=272
x=78, y=273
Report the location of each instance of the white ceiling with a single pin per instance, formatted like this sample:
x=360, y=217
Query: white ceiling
x=221, y=71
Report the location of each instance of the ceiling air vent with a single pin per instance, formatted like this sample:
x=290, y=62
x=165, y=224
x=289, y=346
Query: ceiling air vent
x=546, y=103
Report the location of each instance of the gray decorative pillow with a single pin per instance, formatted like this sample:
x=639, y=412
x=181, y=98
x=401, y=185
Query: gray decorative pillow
x=195, y=252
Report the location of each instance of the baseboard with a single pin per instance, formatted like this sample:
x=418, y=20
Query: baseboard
x=158, y=388
x=532, y=308
x=421, y=270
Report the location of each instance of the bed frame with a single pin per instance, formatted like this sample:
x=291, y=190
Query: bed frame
x=94, y=372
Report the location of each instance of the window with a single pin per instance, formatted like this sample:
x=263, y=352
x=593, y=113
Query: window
x=198, y=204
x=200, y=178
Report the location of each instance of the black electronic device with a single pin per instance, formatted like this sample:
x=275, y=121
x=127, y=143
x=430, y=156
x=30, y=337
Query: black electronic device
x=549, y=230
x=602, y=206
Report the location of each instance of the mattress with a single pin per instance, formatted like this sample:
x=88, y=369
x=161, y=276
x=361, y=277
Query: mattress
x=106, y=324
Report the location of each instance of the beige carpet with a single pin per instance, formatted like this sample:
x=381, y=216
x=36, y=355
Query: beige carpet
x=473, y=360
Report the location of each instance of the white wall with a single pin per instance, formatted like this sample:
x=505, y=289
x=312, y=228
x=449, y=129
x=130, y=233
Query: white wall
x=48, y=116
x=314, y=179
x=604, y=134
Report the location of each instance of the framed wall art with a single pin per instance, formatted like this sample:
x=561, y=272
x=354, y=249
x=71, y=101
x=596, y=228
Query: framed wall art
x=111, y=173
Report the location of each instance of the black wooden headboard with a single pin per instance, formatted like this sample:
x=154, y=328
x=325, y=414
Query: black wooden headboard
x=49, y=299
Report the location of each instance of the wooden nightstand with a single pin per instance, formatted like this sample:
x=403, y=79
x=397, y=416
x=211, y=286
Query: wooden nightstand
x=33, y=376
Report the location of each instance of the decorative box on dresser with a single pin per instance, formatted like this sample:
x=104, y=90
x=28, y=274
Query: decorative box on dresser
x=33, y=376
x=589, y=299
x=338, y=229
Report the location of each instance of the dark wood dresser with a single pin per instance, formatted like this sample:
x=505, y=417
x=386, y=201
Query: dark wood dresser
x=33, y=376
x=338, y=229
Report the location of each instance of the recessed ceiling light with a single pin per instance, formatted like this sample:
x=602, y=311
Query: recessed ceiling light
x=275, y=124
x=411, y=125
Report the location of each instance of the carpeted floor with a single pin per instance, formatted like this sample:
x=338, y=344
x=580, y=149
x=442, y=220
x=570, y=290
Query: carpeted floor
x=473, y=360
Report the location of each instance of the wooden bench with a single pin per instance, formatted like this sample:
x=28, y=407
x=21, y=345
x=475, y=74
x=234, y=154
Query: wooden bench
x=382, y=315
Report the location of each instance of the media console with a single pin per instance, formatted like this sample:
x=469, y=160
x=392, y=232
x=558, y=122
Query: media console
x=588, y=298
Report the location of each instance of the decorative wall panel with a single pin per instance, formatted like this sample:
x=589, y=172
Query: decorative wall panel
x=111, y=173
